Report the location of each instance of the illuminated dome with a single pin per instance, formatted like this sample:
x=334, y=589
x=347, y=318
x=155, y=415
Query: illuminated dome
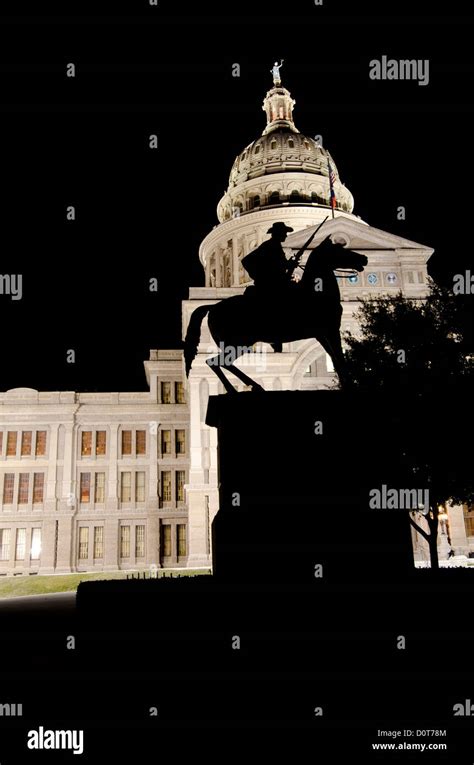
x=263, y=174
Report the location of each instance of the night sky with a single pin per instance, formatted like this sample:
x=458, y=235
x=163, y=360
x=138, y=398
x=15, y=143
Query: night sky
x=143, y=213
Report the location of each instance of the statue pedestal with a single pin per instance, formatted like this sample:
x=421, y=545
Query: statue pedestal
x=295, y=474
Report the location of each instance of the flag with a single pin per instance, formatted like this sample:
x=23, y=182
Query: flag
x=332, y=179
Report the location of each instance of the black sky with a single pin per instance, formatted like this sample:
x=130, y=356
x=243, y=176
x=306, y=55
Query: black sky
x=142, y=214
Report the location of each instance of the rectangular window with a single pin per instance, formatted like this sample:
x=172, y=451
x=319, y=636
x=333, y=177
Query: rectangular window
x=126, y=487
x=83, y=543
x=99, y=488
x=181, y=540
x=35, y=551
x=166, y=441
x=410, y=277
x=85, y=487
x=166, y=540
x=166, y=486
x=26, y=443
x=141, y=442
x=23, y=486
x=20, y=546
x=98, y=541
x=8, y=483
x=166, y=393
x=126, y=442
x=180, y=480
x=179, y=393
x=100, y=442
x=40, y=449
x=125, y=541
x=180, y=442
x=4, y=544
x=86, y=443
x=140, y=542
x=140, y=487
x=11, y=443
x=38, y=488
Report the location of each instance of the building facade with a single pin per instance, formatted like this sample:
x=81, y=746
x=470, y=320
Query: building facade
x=108, y=481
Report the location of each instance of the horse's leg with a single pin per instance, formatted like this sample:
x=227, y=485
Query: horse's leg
x=331, y=343
x=215, y=363
x=245, y=378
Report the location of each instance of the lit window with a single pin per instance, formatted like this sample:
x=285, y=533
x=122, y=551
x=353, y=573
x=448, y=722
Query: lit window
x=83, y=543
x=86, y=443
x=141, y=442
x=180, y=480
x=23, y=487
x=140, y=542
x=101, y=442
x=40, y=444
x=98, y=541
x=166, y=540
x=166, y=441
x=178, y=394
x=126, y=442
x=126, y=487
x=35, y=544
x=166, y=393
x=11, y=444
x=166, y=486
x=180, y=442
x=140, y=487
x=4, y=544
x=99, y=488
x=26, y=443
x=85, y=487
x=8, y=484
x=181, y=540
x=20, y=546
x=38, y=488
x=125, y=541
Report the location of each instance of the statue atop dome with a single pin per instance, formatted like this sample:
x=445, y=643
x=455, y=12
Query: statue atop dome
x=276, y=72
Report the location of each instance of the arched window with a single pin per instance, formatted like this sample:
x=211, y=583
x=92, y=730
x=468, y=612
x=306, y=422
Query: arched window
x=291, y=143
x=306, y=145
x=273, y=144
x=314, y=197
x=274, y=198
x=256, y=201
x=295, y=196
x=243, y=156
x=257, y=149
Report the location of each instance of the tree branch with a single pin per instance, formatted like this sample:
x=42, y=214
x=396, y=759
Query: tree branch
x=420, y=530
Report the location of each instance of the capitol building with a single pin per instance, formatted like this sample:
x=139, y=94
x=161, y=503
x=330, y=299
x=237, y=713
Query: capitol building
x=126, y=481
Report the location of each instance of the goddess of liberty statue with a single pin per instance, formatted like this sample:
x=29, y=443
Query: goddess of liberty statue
x=276, y=72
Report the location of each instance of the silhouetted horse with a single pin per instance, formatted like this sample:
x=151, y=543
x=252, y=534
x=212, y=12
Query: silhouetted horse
x=311, y=308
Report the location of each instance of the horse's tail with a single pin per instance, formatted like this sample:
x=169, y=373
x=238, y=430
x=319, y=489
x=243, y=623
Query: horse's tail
x=193, y=335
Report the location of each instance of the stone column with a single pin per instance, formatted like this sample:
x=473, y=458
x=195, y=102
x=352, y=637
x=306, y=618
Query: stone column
x=457, y=529
x=153, y=541
x=48, y=544
x=235, y=262
x=111, y=544
x=112, y=485
x=218, y=267
x=69, y=472
x=51, y=474
x=66, y=541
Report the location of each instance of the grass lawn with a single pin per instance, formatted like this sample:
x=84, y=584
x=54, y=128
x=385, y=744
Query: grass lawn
x=14, y=586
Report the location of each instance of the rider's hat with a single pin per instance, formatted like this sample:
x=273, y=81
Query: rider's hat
x=279, y=226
